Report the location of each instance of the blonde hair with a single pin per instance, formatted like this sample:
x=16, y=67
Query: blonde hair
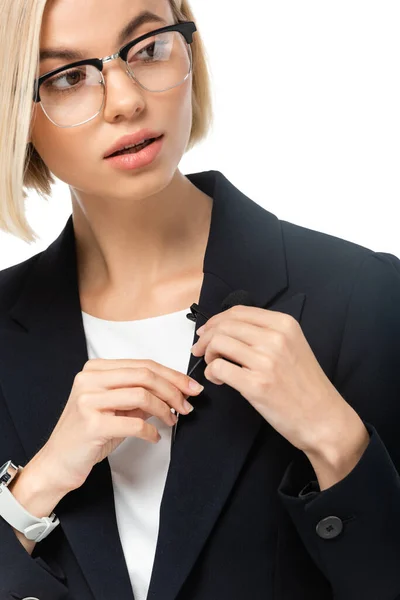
x=21, y=166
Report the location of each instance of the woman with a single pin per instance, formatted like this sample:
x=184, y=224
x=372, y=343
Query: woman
x=283, y=481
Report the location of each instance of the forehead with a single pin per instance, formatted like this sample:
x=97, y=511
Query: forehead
x=95, y=24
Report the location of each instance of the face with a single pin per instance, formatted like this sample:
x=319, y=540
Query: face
x=76, y=155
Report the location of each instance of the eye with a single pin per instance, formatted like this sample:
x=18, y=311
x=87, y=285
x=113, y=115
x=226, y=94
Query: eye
x=65, y=81
x=154, y=50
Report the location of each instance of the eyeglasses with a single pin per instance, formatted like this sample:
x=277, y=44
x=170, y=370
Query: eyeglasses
x=157, y=61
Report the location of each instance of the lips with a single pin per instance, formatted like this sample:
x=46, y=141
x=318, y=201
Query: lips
x=133, y=149
x=132, y=140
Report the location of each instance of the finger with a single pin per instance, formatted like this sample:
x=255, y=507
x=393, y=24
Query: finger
x=134, y=412
x=237, y=377
x=129, y=399
x=122, y=427
x=258, y=343
x=180, y=380
x=223, y=346
x=249, y=334
x=256, y=316
x=142, y=377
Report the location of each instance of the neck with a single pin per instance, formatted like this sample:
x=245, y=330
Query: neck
x=132, y=245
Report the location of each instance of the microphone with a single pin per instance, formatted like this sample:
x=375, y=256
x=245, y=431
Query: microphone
x=233, y=299
x=236, y=297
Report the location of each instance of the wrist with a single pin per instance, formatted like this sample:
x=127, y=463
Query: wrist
x=34, y=490
x=339, y=451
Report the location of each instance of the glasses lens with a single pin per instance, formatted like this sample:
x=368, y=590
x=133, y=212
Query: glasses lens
x=160, y=62
x=73, y=96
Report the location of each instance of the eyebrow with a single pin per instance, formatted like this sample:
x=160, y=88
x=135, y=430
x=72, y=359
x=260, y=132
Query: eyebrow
x=68, y=54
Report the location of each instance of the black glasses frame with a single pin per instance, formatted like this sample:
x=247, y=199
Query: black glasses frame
x=186, y=28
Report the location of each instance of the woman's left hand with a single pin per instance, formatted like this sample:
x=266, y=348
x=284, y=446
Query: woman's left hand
x=280, y=377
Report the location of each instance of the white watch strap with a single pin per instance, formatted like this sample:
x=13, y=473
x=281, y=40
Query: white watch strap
x=18, y=517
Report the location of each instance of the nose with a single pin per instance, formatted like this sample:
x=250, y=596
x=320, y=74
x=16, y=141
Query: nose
x=123, y=96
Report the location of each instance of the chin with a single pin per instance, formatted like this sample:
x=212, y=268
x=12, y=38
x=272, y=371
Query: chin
x=142, y=184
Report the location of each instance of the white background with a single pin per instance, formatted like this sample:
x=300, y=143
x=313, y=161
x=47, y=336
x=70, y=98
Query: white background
x=307, y=117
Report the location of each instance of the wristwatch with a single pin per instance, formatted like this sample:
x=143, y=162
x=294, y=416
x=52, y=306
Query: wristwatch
x=33, y=528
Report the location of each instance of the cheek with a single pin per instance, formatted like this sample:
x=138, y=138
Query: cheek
x=62, y=150
x=177, y=112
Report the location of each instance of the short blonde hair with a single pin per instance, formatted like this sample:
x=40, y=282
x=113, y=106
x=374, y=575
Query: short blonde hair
x=21, y=166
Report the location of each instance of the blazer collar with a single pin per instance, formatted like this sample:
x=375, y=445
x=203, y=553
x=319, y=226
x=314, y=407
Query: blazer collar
x=46, y=347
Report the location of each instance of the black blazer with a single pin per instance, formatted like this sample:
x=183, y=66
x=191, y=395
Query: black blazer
x=232, y=525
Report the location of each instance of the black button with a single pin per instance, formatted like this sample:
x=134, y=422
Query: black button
x=329, y=528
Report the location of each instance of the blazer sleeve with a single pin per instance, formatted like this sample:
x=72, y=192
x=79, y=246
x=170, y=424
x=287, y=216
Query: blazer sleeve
x=359, y=550
x=23, y=575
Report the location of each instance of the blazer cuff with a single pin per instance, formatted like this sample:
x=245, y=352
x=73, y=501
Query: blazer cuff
x=352, y=529
x=23, y=576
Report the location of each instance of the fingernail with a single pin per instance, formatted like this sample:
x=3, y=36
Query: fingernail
x=195, y=386
x=187, y=406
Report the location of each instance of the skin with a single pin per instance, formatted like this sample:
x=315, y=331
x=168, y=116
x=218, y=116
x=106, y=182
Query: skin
x=141, y=235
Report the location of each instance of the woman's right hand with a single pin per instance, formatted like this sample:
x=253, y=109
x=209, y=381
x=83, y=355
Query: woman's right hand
x=111, y=400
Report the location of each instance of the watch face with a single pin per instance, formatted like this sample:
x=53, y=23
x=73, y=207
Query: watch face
x=4, y=475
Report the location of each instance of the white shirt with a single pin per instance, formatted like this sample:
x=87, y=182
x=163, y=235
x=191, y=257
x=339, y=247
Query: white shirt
x=139, y=469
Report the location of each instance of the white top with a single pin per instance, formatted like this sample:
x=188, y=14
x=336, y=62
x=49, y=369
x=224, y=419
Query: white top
x=139, y=468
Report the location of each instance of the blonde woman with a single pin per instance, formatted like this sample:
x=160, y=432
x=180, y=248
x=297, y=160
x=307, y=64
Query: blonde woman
x=282, y=483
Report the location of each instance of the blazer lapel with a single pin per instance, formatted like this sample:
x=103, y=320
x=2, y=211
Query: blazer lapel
x=45, y=347
x=37, y=370
x=244, y=251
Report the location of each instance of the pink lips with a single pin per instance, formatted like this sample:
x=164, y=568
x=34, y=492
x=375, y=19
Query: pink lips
x=130, y=139
x=139, y=159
